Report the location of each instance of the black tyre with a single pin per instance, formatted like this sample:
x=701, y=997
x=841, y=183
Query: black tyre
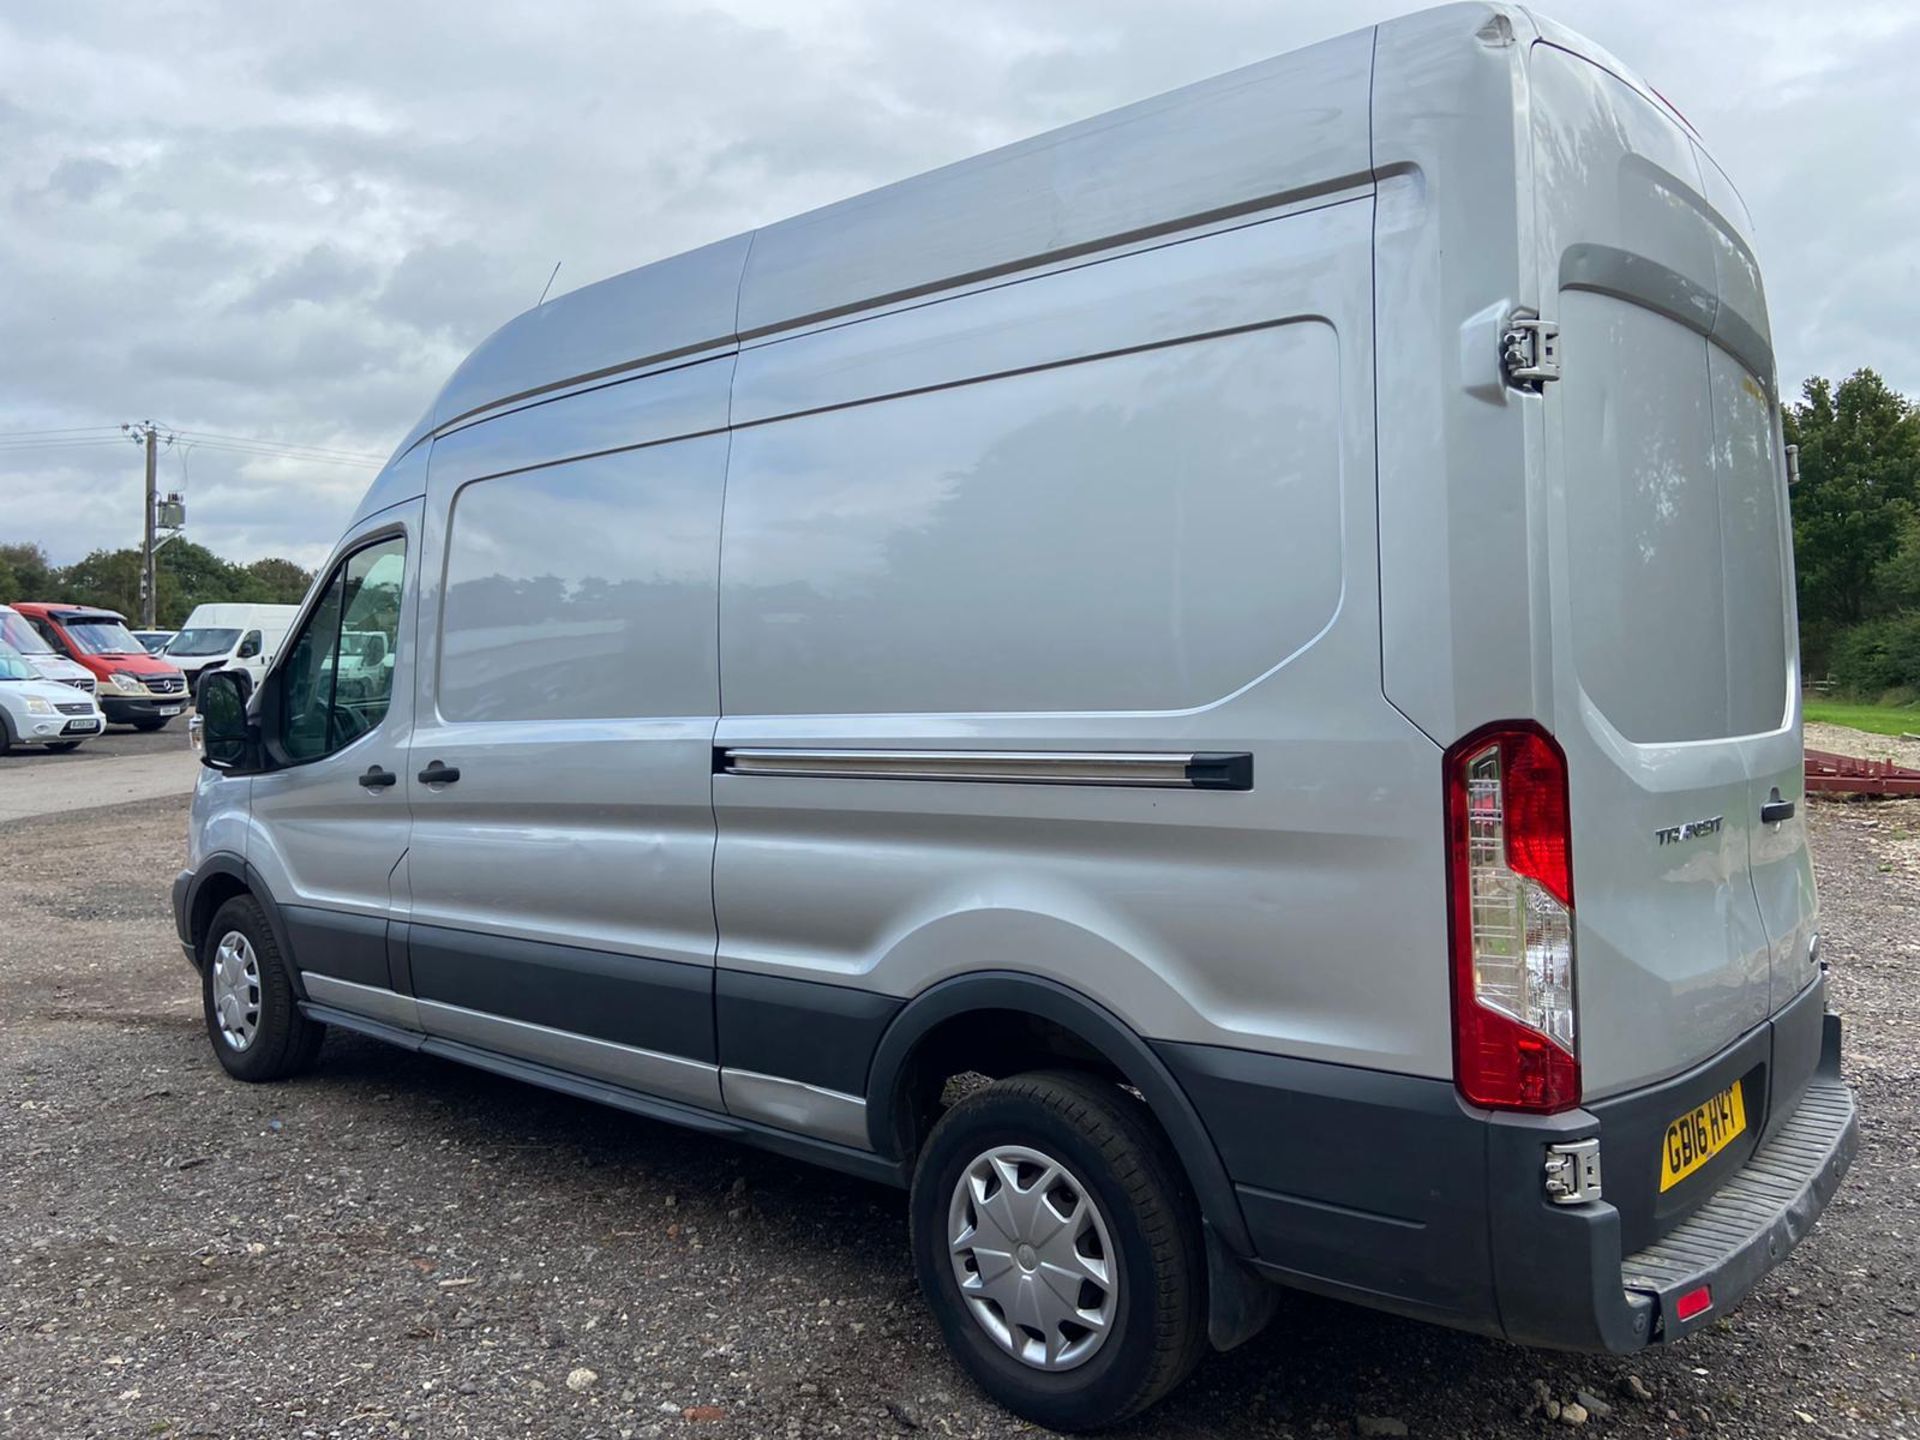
x=252, y=1018
x=150, y=724
x=1058, y=1242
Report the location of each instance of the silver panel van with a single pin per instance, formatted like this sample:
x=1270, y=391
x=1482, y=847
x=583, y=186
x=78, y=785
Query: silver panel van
x=1214, y=693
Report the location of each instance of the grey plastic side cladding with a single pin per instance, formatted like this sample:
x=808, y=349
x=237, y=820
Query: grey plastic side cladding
x=1097, y=1027
x=226, y=863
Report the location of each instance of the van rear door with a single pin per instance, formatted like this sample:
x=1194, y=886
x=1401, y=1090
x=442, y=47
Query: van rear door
x=1674, y=691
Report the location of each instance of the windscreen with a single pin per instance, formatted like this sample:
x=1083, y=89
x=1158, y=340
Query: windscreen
x=202, y=642
x=102, y=637
x=14, y=666
x=17, y=633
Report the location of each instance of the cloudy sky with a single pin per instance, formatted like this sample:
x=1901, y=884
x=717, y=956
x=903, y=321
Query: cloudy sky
x=287, y=223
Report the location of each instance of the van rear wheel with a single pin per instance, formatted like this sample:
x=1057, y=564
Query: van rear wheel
x=253, y=1020
x=1059, y=1245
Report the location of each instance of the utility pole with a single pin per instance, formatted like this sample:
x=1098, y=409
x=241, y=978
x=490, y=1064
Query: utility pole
x=148, y=587
x=170, y=517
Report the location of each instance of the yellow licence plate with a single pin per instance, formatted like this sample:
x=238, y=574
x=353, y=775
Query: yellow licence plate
x=1700, y=1134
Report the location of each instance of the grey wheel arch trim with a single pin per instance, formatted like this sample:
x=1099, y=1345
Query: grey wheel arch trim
x=1093, y=1024
x=226, y=863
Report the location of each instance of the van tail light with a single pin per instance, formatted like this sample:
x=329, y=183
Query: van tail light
x=1510, y=894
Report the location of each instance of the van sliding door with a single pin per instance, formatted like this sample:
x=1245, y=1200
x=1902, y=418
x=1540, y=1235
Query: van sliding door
x=561, y=770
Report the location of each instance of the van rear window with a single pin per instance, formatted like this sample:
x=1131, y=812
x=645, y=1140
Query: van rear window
x=1675, y=528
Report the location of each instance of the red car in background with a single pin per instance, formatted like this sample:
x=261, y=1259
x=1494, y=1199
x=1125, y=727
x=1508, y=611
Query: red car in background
x=135, y=688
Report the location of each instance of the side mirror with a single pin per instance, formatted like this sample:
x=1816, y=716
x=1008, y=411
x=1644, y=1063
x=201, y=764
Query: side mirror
x=376, y=651
x=250, y=646
x=228, y=737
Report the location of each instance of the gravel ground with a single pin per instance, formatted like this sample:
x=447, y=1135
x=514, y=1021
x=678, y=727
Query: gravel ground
x=114, y=743
x=395, y=1246
x=120, y=766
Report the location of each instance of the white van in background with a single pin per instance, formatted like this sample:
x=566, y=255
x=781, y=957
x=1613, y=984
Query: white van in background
x=34, y=649
x=229, y=637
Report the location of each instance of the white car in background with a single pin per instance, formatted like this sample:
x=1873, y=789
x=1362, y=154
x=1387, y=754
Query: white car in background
x=41, y=712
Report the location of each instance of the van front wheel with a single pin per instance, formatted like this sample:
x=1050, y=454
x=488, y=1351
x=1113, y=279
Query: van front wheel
x=1059, y=1245
x=253, y=1020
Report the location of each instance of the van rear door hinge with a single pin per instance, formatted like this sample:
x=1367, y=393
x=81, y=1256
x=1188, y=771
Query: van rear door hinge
x=1530, y=351
x=1573, y=1172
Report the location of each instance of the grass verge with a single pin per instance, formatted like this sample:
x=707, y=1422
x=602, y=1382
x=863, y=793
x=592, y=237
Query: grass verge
x=1877, y=719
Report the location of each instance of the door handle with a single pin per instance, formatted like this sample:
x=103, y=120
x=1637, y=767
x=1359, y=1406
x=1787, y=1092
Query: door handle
x=1776, y=810
x=439, y=774
x=378, y=779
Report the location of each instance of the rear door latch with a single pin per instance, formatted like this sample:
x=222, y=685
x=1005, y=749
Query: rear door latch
x=1530, y=351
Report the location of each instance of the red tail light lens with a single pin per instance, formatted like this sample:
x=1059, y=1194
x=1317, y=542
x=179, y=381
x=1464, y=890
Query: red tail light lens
x=1511, y=896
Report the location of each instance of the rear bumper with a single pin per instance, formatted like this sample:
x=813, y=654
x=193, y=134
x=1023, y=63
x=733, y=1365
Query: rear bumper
x=1390, y=1192
x=1565, y=1281
x=1770, y=1205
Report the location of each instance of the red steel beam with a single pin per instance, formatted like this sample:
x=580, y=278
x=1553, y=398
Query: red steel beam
x=1850, y=775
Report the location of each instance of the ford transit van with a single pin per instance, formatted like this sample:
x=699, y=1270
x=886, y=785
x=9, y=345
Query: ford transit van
x=1213, y=693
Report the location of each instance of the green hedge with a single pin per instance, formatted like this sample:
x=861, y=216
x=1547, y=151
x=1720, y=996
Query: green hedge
x=1878, y=655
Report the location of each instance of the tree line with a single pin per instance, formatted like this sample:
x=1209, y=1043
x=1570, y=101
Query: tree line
x=1856, y=535
x=188, y=575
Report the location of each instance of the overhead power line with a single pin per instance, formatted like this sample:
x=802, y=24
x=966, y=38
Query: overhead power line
x=203, y=436
x=67, y=444
x=112, y=430
x=261, y=452
x=239, y=445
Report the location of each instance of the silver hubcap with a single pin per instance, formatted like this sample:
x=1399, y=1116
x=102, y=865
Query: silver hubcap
x=236, y=990
x=1031, y=1252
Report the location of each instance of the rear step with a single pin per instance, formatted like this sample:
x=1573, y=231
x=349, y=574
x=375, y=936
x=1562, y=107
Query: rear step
x=1754, y=1219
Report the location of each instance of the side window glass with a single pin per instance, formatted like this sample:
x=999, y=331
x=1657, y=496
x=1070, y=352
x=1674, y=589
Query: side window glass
x=369, y=635
x=308, y=677
x=339, y=668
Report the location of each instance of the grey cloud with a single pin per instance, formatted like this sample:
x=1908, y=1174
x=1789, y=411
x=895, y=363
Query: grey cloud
x=442, y=288
x=81, y=177
x=321, y=275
